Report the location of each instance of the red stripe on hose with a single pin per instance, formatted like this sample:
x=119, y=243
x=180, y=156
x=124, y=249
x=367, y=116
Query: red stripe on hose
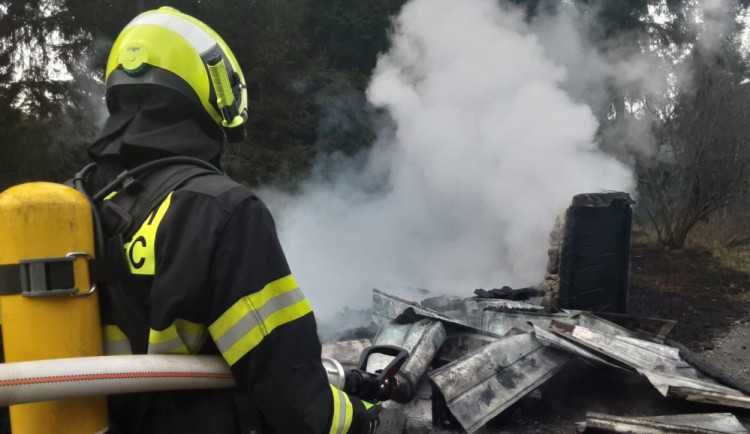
x=114, y=377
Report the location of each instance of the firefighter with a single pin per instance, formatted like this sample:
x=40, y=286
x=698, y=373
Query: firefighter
x=193, y=262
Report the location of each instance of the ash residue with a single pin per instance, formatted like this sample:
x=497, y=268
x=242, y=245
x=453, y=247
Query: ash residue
x=508, y=293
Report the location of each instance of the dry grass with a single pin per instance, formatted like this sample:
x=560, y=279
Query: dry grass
x=728, y=241
x=714, y=270
x=735, y=258
x=727, y=232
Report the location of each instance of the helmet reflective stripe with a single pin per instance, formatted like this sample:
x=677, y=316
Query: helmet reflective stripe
x=197, y=37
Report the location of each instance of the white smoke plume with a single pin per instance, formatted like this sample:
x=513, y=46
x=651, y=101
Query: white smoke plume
x=624, y=66
x=717, y=20
x=487, y=150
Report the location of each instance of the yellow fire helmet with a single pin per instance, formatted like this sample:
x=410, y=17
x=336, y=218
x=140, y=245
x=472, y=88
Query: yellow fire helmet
x=165, y=47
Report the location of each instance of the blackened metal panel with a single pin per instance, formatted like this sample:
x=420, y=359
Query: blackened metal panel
x=482, y=384
x=595, y=251
x=710, y=423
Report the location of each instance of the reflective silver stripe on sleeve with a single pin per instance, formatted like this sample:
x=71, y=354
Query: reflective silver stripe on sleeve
x=181, y=337
x=115, y=341
x=193, y=343
x=341, y=427
x=255, y=318
x=171, y=346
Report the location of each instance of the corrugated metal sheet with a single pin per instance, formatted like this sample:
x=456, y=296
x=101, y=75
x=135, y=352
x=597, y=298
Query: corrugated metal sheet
x=386, y=307
x=705, y=390
x=550, y=339
x=706, y=423
x=654, y=329
x=483, y=383
x=637, y=353
x=502, y=322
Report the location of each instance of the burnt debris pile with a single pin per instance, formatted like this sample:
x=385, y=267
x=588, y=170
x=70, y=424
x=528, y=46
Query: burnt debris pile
x=471, y=359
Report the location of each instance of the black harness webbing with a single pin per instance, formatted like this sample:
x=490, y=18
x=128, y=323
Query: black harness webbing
x=44, y=276
x=121, y=216
x=129, y=207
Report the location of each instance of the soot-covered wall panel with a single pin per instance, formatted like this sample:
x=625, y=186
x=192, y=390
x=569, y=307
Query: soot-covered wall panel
x=591, y=250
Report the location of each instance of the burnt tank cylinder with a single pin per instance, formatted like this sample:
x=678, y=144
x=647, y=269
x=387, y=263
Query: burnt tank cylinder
x=422, y=339
x=49, y=308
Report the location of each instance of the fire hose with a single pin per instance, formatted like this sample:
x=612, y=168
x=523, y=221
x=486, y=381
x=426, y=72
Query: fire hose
x=45, y=380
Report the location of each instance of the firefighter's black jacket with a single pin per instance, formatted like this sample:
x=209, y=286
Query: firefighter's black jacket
x=211, y=276
x=204, y=273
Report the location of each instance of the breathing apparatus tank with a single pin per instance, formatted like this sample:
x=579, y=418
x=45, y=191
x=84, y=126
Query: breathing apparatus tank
x=48, y=306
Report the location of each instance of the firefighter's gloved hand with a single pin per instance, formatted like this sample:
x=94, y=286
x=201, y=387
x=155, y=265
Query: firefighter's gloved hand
x=373, y=414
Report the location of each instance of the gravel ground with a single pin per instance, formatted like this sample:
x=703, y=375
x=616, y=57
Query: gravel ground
x=731, y=352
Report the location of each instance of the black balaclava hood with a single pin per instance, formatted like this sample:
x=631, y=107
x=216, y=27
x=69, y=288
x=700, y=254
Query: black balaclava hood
x=150, y=122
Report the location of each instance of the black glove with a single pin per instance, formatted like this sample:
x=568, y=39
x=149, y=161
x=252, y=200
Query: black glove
x=373, y=414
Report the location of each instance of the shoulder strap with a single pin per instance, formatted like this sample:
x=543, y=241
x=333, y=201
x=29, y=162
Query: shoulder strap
x=128, y=208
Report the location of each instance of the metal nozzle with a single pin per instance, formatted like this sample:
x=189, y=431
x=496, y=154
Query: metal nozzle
x=335, y=372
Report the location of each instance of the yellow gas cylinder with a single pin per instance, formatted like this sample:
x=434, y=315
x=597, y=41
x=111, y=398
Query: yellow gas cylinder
x=47, y=227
